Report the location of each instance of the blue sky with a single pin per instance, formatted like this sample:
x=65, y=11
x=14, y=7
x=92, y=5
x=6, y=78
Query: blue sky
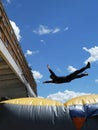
x=61, y=33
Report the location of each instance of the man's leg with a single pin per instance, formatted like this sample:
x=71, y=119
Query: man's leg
x=80, y=70
x=81, y=75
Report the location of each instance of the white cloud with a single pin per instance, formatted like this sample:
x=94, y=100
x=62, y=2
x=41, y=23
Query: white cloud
x=56, y=30
x=8, y=1
x=29, y=52
x=66, y=28
x=16, y=30
x=42, y=41
x=65, y=96
x=42, y=30
x=93, y=54
x=37, y=75
x=71, y=68
x=96, y=80
x=35, y=52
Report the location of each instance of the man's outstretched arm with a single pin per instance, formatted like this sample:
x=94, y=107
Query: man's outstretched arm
x=51, y=72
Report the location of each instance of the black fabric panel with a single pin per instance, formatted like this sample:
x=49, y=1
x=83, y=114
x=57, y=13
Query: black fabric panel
x=91, y=124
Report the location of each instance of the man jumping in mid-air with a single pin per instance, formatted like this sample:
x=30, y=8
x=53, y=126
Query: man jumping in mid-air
x=64, y=79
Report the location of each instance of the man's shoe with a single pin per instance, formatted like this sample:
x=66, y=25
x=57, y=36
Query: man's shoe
x=88, y=65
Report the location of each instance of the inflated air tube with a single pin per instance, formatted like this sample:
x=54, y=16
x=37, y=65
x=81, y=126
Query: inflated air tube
x=80, y=113
x=34, y=114
x=84, y=112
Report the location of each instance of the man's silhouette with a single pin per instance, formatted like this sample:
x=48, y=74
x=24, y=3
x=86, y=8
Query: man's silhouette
x=64, y=79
